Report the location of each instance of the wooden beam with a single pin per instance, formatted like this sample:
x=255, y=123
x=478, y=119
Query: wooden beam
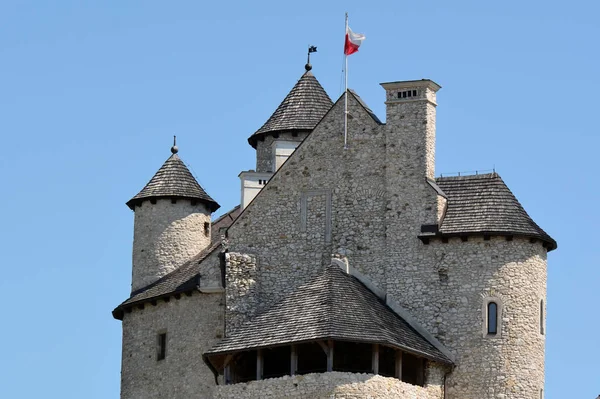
x=227, y=374
x=330, y=355
x=259, y=364
x=375, y=359
x=324, y=346
x=399, y=364
x=227, y=360
x=293, y=360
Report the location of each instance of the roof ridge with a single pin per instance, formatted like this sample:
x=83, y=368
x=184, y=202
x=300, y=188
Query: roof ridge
x=470, y=176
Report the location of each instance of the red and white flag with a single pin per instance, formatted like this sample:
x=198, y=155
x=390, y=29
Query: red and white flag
x=353, y=41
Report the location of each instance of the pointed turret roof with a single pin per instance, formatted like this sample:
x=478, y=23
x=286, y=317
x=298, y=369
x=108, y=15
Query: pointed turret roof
x=301, y=109
x=173, y=180
x=483, y=204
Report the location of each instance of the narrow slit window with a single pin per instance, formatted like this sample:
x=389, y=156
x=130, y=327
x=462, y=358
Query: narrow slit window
x=206, y=229
x=542, y=317
x=492, y=318
x=161, y=352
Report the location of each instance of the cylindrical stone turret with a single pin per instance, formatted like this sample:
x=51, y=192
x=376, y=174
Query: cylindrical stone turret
x=172, y=222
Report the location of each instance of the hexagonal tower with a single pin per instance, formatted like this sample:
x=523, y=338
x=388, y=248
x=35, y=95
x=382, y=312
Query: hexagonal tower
x=172, y=222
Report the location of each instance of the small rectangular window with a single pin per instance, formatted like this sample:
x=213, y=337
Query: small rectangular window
x=161, y=352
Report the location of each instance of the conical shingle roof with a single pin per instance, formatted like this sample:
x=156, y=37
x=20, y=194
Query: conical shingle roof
x=173, y=180
x=483, y=204
x=301, y=109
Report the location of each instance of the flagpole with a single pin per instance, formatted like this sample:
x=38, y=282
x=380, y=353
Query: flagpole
x=346, y=91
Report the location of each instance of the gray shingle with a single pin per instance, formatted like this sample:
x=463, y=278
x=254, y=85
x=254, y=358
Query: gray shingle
x=334, y=305
x=173, y=180
x=483, y=204
x=302, y=109
x=183, y=279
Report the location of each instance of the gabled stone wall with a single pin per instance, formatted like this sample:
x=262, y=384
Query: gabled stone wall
x=325, y=199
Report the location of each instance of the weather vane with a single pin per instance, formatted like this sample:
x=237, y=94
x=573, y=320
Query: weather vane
x=311, y=49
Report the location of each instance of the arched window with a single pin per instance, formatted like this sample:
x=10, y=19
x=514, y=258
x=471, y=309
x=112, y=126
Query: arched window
x=492, y=318
x=542, y=317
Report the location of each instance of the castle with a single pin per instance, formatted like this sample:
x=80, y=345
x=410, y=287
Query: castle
x=344, y=273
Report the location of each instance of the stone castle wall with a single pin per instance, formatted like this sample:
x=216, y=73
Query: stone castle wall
x=368, y=202
x=165, y=236
x=446, y=288
x=329, y=386
x=193, y=325
x=323, y=200
x=241, y=289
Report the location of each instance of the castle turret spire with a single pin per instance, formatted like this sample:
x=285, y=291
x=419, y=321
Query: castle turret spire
x=172, y=221
x=300, y=111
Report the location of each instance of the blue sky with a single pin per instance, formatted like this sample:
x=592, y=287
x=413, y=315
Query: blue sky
x=92, y=92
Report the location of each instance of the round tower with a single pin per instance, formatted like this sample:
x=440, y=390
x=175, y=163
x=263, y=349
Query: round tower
x=172, y=222
x=492, y=269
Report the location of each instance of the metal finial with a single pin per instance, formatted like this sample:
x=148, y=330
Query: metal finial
x=311, y=49
x=174, y=149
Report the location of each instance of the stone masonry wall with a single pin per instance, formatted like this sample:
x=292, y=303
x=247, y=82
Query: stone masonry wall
x=193, y=325
x=241, y=289
x=166, y=235
x=264, y=150
x=329, y=386
x=323, y=200
x=446, y=288
x=368, y=203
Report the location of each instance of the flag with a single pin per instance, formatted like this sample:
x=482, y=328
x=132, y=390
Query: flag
x=353, y=41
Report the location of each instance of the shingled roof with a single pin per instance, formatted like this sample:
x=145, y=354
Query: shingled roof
x=301, y=109
x=183, y=279
x=173, y=180
x=483, y=204
x=334, y=305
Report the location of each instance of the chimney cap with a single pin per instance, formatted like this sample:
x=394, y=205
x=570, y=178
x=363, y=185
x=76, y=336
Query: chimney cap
x=405, y=84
